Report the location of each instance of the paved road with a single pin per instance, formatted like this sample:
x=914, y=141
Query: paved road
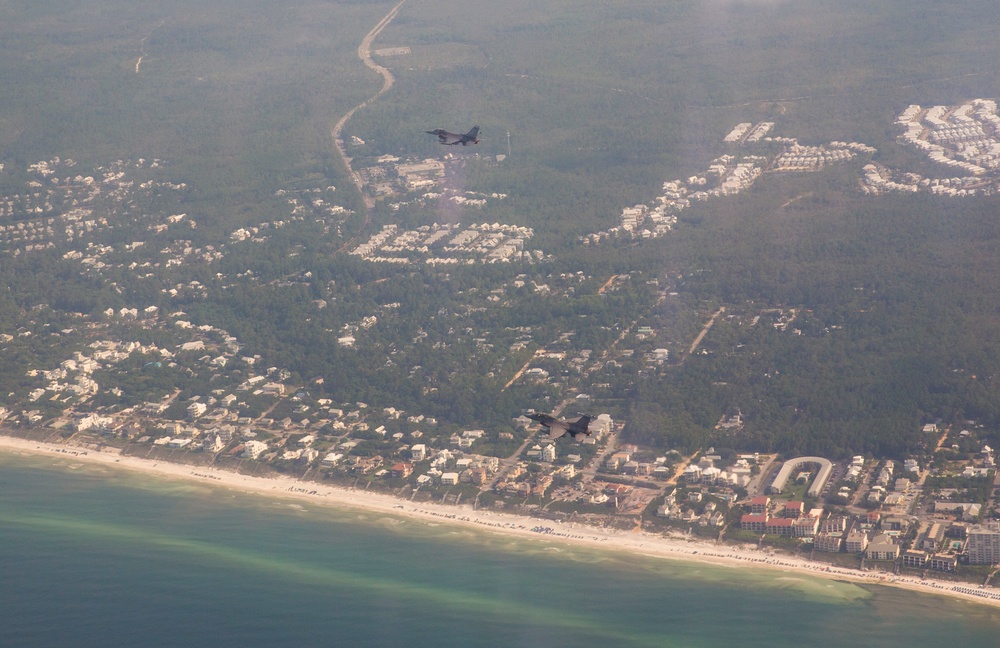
x=365, y=54
x=759, y=483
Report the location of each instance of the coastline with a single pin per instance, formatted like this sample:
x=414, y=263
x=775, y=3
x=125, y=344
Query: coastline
x=636, y=542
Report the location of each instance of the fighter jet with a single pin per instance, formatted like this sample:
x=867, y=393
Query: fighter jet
x=557, y=427
x=451, y=139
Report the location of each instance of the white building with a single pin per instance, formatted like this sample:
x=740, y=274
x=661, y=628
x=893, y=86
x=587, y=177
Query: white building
x=549, y=453
x=332, y=459
x=984, y=545
x=253, y=449
x=418, y=451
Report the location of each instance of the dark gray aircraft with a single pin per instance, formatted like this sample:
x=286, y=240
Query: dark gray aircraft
x=557, y=427
x=451, y=139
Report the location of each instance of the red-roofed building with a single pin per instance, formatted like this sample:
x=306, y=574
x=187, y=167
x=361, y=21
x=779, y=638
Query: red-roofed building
x=755, y=523
x=759, y=505
x=794, y=509
x=780, y=526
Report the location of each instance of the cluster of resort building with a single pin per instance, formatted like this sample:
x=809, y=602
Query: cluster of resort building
x=940, y=545
x=965, y=138
x=746, y=132
x=443, y=244
x=306, y=204
x=60, y=205
x=941, y=539
x=428, y=178
x=728, y=175
x=798, y=157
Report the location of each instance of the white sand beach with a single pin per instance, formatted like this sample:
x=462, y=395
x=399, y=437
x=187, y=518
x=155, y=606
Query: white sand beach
x=639, y=542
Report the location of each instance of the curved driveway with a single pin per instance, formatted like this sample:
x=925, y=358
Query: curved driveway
x=825, y=468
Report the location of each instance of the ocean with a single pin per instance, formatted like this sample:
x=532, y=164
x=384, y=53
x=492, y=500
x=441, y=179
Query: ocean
x=93, y=556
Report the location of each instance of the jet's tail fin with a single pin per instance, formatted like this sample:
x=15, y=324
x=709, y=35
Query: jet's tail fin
x=582, y=425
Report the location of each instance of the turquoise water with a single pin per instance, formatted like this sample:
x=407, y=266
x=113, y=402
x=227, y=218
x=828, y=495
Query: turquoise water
x=91, y=556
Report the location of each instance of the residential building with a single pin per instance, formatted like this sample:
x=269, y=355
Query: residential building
x=755, y=523
x=933, y=538
x=943, y=562
x=692, y=474
x=794, y=509
x=542, y=484
x=964, y=511
x=834, y=524
x=805, y=527
x=253, y=448
x=418, y=451
x=366, y=465
x=983, y=547
x=856, y=542
x=895, y=523
x=830, y=542
x=882, y=548
x=780, y=526
x=759, y=505
x=915, y=558
x=549, y=453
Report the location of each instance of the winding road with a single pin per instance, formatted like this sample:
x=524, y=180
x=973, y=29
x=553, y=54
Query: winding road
x=365, y=54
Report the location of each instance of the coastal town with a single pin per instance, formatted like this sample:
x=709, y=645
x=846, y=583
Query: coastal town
x=929, y=514
x=678, y=545
x=153, y=381
x=499, y=324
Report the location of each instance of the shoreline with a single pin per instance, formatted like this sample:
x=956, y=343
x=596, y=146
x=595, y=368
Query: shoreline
x=636, y=542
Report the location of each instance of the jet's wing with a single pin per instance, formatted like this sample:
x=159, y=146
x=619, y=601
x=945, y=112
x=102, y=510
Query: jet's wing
x=445, y=137
x=556, y=430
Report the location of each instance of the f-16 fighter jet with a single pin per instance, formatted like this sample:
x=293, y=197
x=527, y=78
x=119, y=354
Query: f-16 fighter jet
x=451, y=139
x=558, y=427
